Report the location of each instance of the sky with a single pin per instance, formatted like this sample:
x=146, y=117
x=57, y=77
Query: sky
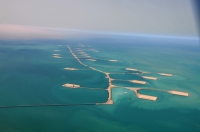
x=165, y=17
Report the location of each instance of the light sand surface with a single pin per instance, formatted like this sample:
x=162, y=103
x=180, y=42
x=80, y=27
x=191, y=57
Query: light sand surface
x=91, y=59
x=137, y=81
x=132, y=69
x=108, y=102
x=113, y=60
x=67, y=68
x=151, y=78
x=142, y=96
x=153, y=97
x=71, y=85
x=164, y=74
x=56, y=56
x=179, y=93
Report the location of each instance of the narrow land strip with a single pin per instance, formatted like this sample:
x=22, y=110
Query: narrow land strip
x=110, y=85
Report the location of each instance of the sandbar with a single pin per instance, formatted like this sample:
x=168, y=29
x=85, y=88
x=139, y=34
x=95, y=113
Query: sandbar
x=67, y=68
x=56, y=56
x=142, y=96
x=151, y=78
x=137, y=81
x=113, y=60
x=148, y=97
x=91, y=59
x=179, y=93
x=71, y=85
x=164, y=74
x=132, y=69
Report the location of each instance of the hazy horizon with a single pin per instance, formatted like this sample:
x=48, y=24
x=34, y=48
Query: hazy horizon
x=48, y=19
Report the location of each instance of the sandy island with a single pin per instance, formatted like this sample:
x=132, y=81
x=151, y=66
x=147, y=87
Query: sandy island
x=71, y=85
x=67, y=68
x=57, y=56
x=109, y=89
x=137, y=81
x=131, y=69
x=142, y=96
x=91, y=59
x=164, y=74
x=151, y=78
x=113, y=60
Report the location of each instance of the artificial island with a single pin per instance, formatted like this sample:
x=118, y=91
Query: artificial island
x=110, y=80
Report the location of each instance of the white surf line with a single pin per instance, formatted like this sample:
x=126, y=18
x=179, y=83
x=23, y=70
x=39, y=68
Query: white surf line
x=109, y=101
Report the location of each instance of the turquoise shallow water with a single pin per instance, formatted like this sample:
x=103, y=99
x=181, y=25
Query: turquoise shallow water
x=30, y=75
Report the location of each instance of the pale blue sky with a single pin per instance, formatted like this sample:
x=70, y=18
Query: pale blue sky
x=167, y=17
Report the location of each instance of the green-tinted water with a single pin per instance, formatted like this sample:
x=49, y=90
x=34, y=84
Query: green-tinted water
x=30, y=75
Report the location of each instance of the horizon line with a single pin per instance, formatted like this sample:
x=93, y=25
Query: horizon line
x=50, y=29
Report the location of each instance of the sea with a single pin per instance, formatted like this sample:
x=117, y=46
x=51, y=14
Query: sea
x=30, y=75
